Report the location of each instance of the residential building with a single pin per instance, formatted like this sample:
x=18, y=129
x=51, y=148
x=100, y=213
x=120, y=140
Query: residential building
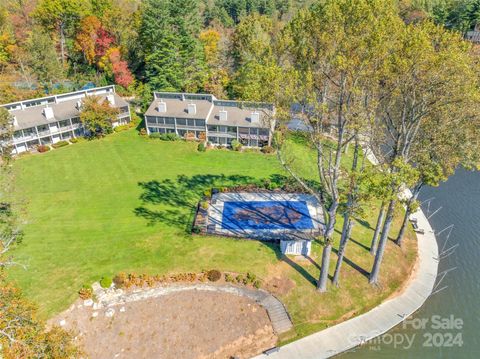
x=474, y=35
x=204, y=117
x=47, y=120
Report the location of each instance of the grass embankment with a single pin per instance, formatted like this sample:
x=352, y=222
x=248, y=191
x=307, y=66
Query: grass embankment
x=124, y=203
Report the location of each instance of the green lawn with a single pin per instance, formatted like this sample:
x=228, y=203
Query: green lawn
x=118, y=204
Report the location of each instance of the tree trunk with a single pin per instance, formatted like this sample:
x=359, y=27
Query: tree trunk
x=347, y=222
x=347, y=229
x=62, y=44
x=381, y=216
x=401, y=234
x=382, y=244
x=322, y=281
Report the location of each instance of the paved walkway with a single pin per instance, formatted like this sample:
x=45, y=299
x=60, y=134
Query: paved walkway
x=356, y=331
x=276, y=311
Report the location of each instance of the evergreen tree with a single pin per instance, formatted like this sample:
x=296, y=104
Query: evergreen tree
x=174, y=58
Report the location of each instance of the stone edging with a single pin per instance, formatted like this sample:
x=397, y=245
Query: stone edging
x=108, y=298
x=356, y=331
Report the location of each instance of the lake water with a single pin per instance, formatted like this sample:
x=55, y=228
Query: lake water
x=459, y=302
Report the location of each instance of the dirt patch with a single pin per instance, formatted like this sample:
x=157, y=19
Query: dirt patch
x=279, y=285
x=190, y=324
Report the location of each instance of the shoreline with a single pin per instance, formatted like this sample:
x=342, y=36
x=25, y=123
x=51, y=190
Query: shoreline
x=393, y=311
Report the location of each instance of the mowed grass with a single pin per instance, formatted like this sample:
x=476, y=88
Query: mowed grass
x=124, y=203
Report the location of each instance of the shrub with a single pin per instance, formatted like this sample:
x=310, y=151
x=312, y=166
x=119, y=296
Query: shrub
x=196, y=230
x=73, y=140
x=236, y=145
x=120, y=280
x=142, y=132
x=121, y=128
x=251, y=278
x=201, y=147
x=240, y=279
x=172, y=136
x=207, y=192
x=214, y=275
x=135, y=119
x=256, y=284
x=86, y=292
x=190, y=136
x=106, y=282
x=169, y=136
x=229, y=278
x=155, y=135
x=268, y=149
x=43, y=148
x=60, y=144
x=204, y=204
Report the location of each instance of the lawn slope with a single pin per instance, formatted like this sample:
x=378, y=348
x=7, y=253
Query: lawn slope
x=124, y=203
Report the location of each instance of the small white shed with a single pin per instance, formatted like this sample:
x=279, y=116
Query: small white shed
x=296, y=247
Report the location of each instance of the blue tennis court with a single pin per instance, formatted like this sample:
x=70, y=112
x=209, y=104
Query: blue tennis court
x=265, y=215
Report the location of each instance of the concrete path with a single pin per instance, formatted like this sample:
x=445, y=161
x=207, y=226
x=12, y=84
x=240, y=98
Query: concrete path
x=276, y=310
x=356, y=331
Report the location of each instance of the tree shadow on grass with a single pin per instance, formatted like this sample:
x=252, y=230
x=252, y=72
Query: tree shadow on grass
x=352, y=264
x=174, y=202
x=274, y=246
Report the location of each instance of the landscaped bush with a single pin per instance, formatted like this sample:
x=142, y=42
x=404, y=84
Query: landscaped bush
x=86, y=292
x=190, y=136
x=169, y=136
x=60, y=144
x=236, y=145
x=43, y=148
x=120, y=279
x=204, y=204
x=142, y=132
x=214, y=275
x=201, y=147
x=155, y=135
x=256, y=284
x=106, y=282
x=268, y=149
x=229, y=278
x=122, y=128
x=207, y=192
x=73, y=140
x=251, y=277
x=196, y=230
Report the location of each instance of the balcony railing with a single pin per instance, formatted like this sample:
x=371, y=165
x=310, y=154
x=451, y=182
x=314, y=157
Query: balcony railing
x=222, y=134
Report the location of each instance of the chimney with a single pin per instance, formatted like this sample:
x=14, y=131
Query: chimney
x=111, y=99
x=191, y=109
x=255, y=117
x=48, y=113
x=79, y=105
x=223, y=115
x=162, y=107
x=15, y=121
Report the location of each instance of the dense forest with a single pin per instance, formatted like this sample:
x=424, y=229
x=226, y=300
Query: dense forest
x=215, y=46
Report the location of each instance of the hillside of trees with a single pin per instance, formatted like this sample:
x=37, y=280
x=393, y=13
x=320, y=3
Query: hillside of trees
x=212, y=46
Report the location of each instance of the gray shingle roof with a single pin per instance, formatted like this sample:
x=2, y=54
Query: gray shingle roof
x=33, y=116
x=238, y=113
x=178, y=108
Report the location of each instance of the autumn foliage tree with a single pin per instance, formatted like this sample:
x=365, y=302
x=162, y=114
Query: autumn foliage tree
x=97, y=116
x=98, y=48
x=117, y=68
